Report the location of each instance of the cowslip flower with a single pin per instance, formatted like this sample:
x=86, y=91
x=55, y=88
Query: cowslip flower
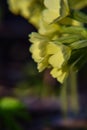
x=60, y=74
x=29, y=9
x=59, y=56
x=48, y=26
x=55, y=9
x=48, y=29
x=20, y=7
x=38, y=50
x=47, y=54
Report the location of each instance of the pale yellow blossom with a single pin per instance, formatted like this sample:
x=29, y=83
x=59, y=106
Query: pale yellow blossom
x=60, y=74
x=20, y=6
x=38, y=50
x=48, y=29
x=29, y=9
x=48, y=54
x=55, y=9
x=59, y=56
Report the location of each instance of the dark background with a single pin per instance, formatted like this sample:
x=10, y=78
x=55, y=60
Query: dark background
x=14, y=46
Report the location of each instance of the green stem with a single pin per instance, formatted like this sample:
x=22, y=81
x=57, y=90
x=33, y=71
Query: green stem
x=64, y=98
x=74, y=92
x=69, y=95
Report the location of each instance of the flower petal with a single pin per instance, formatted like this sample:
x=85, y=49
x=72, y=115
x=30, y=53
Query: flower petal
x=57, y=60
x=59, y=74
x=52, y=48
x=50, y=15
x=52, y=4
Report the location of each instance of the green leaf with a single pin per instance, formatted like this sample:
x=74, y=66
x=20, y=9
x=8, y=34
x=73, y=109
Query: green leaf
x=77, y=4
x=68, y=39
x=79, y=16
x=79, y=44
x=78, y=58
x=81, y=31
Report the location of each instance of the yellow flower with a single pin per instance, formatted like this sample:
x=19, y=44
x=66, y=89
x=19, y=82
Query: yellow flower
x=20, y=6
x=48, y=54
x=38, y=50
x=36, y=9
x=48, y=29
x=59, y=74
x=55, y=9
x=29, y=9
x=59, y=56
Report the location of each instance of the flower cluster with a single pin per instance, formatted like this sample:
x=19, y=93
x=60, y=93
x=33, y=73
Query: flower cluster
x=47, y=54
x=60, y=42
